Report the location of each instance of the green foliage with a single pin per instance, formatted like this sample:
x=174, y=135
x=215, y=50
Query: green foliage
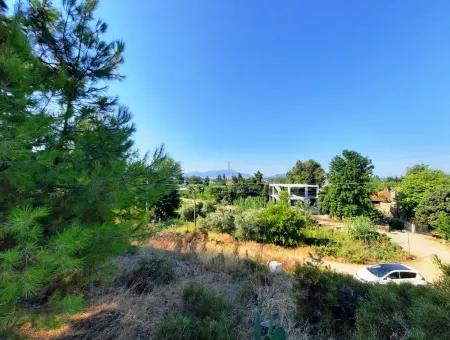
x=362, y=228
x=443, y=282
x=443, y=225
x=185, y=327
x=250, y=203
x=220, y=221
x=278, y=224
x=358, y=245
x=248, y=225
x=206, y=316
x=72, y=191
x=151, y=270
x=328, y=301
x=404, y=312
x=434, y=210
x=32, y=262
x=202, y=209
x=307, y=172
x=347, y=193
x=378, y=183
x=228, y=194
x=282, y=225
x=413, y=189
x=268, y=332
x=283, y=198
x=203, y=303
x=396, y=223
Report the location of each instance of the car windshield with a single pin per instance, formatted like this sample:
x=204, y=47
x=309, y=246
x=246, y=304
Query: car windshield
x=381, y=270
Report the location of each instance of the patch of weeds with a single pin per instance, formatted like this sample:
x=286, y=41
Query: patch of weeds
x=151, y=270
x=206, y=315
x=201, y=302
x=191, y=328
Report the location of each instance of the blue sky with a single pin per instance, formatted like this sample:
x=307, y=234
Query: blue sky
x=264, y=83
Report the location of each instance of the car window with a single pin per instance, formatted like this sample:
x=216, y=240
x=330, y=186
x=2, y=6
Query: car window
x=407, y=275
x=393, y=275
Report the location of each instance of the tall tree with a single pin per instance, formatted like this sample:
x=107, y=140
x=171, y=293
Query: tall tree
x=418, y=180
x=308, y=172
x=258, y=176
x=434, y=210
x=72, y=190
x=348, y=190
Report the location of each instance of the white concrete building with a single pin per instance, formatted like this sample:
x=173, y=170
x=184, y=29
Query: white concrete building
x=296, y=192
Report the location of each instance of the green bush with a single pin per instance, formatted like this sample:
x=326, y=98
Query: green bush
x=201, y=302
x=278, y=224
x=404, y=312
x=151, y=270
x=251, y=203
x=443, y=225
x=206, y=316
x=328, y=301
x=282, y=225
x=248, y=225
x=362, y=228
x=187, y=210
x=341, y=245
x=191, y=328
x=220, y=221
x=202, y=208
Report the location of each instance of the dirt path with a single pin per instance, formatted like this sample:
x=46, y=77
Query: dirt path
x=423, y=247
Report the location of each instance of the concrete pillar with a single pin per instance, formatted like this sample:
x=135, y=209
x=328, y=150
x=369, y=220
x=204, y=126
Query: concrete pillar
x=306, y=192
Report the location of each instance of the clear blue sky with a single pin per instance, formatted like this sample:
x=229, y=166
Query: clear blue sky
x=264, y=83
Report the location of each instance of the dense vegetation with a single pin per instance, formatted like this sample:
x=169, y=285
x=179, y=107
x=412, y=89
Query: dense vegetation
x=309, y=172
x=73, y=191
x=358, y=242
x=347, y=193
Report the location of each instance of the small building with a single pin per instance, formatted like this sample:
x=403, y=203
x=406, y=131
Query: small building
x=384, y=201
x=296, y=192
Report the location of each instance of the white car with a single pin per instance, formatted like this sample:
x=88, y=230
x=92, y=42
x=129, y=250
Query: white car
x=390, y=272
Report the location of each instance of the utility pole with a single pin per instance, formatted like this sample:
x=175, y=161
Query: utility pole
x=195, y=211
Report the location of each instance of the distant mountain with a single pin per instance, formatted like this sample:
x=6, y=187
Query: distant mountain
x=214, y=173
x=276, y=176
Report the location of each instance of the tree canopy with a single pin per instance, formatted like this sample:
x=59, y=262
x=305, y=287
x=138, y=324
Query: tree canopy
x=348, y=189
x=418, y=180
x=73, y=191
x=307, y=172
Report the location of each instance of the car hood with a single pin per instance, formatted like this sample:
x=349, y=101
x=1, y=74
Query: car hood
x=364, y=275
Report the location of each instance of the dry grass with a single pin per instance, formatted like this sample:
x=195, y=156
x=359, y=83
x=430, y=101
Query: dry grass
x=116, y=312
x=181, y=241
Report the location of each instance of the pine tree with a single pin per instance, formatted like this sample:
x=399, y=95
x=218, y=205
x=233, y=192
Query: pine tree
x=72, y=190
